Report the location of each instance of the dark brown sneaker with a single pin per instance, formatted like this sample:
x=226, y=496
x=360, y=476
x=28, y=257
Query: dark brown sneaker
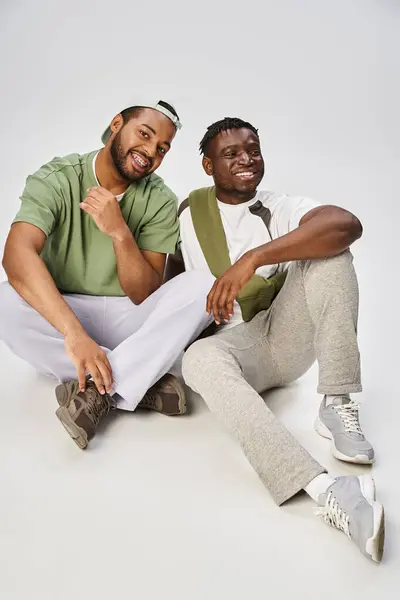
x=167, y=396
x=81, y=412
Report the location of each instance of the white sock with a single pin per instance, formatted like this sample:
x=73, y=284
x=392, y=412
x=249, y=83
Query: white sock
x=337, y=399
x=319, y=485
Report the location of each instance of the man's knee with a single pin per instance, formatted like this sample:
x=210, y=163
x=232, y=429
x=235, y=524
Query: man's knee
x=333, y=267
x=341, y=260
x=204, y=357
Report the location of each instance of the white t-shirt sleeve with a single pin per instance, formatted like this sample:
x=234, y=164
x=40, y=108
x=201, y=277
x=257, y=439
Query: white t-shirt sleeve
x=289, y=210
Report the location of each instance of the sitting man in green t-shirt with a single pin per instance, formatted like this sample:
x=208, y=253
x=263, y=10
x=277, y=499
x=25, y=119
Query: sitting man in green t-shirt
x=85, y=259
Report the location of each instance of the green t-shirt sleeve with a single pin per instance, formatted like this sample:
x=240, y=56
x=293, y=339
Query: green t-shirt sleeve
x=161, y=233
x=40, y=202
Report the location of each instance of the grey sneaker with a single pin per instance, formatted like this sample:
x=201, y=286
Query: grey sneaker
x=167, y=396
x=349, y=505
x=340, y=423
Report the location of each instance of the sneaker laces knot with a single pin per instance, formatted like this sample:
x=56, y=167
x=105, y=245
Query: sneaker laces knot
x=333, y=515
x=349, y=415
x=98, y=406
x=149, y=400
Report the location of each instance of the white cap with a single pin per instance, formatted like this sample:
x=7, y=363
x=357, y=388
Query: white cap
x=158, y=105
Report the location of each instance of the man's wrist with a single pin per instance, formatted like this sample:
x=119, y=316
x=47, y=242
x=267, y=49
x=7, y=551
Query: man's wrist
x=253, y=257
x=73, y=329
x=122, y=234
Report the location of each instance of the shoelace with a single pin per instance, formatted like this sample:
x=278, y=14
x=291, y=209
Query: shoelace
x=334, y=515
x=149, y=400
x=349, y=415
x=98, y=406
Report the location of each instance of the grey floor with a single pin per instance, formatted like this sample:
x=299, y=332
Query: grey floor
x=170, y=508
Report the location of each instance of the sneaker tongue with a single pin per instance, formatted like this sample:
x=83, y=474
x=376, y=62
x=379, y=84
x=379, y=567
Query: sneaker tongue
x=322, y=499
x=340, y=400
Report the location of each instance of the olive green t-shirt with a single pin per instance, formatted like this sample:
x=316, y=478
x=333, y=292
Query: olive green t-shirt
x=78, y=255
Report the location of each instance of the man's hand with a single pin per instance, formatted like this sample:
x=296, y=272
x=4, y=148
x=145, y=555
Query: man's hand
x=104, y=209
x=225, y=289
x=87, y=356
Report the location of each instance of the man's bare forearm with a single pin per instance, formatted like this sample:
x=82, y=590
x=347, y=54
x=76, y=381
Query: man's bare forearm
x=29, y=276
x=137, y=277
x=328, y=233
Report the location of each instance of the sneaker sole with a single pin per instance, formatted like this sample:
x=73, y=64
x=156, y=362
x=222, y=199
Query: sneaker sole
x=61, y=395
x=375, y=544
x=78, y=434
x=359, y=459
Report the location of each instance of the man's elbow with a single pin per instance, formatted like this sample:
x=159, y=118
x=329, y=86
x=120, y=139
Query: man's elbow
x=354, y=227
x=8, y=265
x=137, y=296
x=348, y=225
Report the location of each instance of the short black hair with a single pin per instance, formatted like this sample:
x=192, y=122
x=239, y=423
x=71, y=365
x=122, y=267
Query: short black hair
x=224, y=125
x=134, y=111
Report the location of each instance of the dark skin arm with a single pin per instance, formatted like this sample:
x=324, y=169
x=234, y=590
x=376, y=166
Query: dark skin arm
x=140, y=272
x=323, y=232
x=175, y=266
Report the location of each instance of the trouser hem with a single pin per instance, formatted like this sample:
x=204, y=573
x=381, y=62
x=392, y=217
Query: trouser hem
x=297, y=484
x=346, y=388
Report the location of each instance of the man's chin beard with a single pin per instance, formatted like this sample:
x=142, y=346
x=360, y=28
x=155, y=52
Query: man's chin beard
x=118, y=160
x=128, y=177
x=124, y=173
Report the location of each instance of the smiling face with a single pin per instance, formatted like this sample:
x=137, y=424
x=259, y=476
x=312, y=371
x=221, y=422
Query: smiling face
x=139, y=145
x=235, y=162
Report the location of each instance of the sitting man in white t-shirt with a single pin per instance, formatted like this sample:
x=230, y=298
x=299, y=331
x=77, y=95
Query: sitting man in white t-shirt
x=289, y=298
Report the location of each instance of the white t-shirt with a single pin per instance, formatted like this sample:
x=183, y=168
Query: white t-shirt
x=119, y=196
x=244, y=231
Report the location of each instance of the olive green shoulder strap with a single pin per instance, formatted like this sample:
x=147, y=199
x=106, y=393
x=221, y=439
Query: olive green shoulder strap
x=209, y=230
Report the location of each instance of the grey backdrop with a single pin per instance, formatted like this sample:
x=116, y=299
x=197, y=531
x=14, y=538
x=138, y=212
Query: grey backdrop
x=321, y=81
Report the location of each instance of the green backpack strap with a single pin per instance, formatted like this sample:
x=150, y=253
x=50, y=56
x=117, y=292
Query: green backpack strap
x=258, y=293
x=209, y=230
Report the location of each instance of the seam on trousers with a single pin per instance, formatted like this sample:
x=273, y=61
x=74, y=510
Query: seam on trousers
x=301, y=267
x=229, y=345
x=273, y=354
x=275, y=361
x=258, y=346
x=260, y=328
x=357, y=368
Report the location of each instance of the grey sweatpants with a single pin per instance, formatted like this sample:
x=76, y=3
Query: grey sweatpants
x=313, y=317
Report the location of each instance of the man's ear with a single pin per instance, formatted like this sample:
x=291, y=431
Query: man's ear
x=117, y=123
x=207, y=166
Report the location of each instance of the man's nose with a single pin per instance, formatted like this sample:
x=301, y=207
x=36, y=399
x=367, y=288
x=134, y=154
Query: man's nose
x=150, y=148
x=245, y=159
